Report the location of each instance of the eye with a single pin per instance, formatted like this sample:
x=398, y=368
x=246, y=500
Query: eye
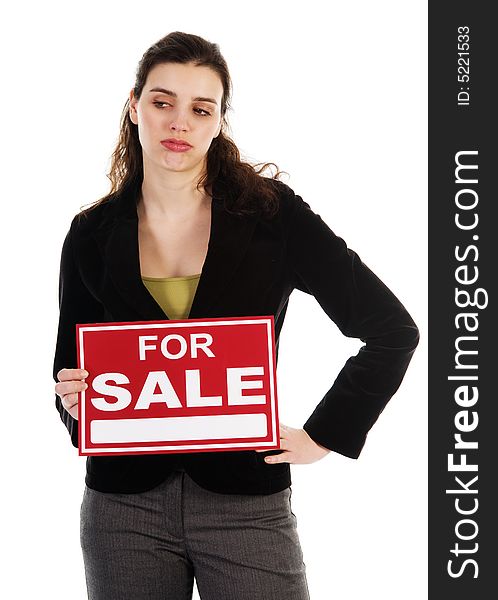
x=202, y=112
x=156, y=103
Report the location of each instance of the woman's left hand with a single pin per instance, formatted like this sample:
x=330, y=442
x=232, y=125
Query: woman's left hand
x=297, y=448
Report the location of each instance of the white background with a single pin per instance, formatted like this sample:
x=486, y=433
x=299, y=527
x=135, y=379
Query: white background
x=334, y=93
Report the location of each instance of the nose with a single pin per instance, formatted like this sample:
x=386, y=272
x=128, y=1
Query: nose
x=179, y=121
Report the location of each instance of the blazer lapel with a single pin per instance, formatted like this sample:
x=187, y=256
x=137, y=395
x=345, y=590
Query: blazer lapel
x=228, y=242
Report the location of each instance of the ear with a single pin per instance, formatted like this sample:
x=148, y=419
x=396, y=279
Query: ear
x=132, y=108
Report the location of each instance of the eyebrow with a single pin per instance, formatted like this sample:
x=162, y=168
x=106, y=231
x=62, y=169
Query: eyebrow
x=175, y=95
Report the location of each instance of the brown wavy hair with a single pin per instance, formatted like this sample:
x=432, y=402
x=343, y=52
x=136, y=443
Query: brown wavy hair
x=241, y=185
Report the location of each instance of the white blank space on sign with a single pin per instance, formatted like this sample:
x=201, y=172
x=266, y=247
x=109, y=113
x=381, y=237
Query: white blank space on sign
x=121, y=431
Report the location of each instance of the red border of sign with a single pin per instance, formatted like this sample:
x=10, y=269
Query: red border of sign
x=267, y=320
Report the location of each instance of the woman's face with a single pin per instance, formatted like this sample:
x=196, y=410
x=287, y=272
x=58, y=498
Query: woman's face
x=180, y=101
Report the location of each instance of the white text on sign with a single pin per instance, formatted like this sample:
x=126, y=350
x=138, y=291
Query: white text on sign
x=167, y=395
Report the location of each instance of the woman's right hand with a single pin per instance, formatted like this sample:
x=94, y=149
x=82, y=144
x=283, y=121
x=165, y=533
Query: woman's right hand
x=71, y=382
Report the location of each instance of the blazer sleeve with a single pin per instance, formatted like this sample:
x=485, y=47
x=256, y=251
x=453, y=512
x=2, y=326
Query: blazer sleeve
x=361, y=306
x=76, y=305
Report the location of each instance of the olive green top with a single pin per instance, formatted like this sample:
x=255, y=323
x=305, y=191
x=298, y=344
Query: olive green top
x=173, y=294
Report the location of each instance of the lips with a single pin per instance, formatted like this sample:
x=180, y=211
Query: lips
x=176, y=145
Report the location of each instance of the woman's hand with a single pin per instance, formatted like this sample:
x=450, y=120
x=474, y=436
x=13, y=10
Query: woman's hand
x=71, y=382
x=297, y=448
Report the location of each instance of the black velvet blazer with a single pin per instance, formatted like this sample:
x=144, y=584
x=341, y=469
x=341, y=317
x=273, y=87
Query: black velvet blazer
x=253, y=263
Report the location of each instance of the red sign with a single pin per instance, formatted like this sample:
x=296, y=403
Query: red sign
x=195, y=385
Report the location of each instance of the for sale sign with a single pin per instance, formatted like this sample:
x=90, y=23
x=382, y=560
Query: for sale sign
x=195, y=385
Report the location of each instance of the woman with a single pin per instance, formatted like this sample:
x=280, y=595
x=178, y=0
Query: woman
x=188, y=231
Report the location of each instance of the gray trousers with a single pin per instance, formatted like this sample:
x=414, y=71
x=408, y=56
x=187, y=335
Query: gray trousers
x=152, y=544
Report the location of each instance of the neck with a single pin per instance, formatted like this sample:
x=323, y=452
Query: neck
x=171, y=196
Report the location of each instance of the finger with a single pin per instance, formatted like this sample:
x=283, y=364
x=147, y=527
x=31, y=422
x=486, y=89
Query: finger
x=70, y=387
x=278, y=458
x=69, y=400
x=284, y=433
x=284, y=444
x=71, y=374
